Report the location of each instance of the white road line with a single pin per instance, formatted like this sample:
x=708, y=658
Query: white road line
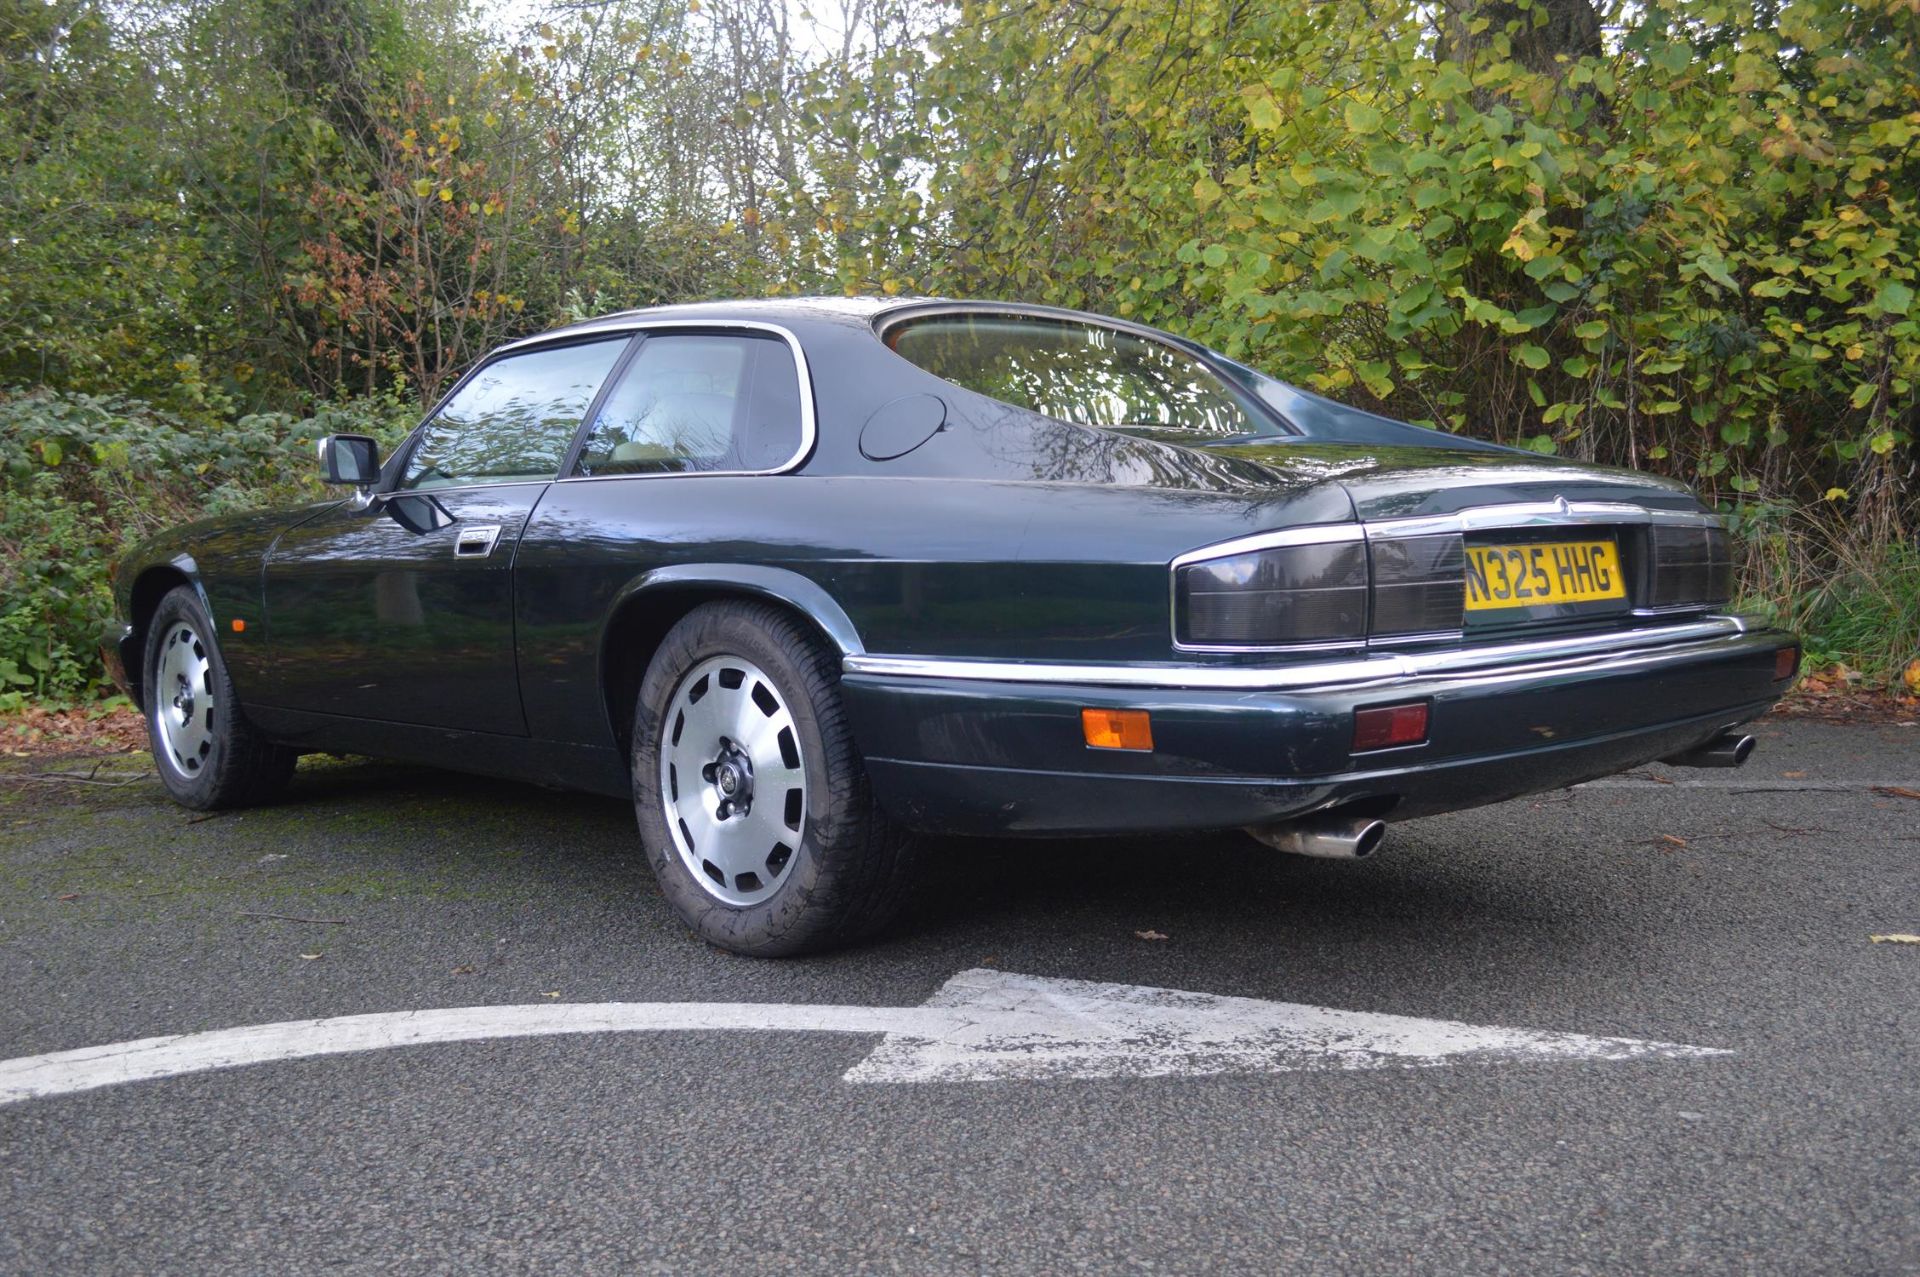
x=1021, y=1026
x=1753, y=785
x=982, y=1025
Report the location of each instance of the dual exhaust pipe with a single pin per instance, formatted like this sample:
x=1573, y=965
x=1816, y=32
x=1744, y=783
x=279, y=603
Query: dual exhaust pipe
x=1356, y=838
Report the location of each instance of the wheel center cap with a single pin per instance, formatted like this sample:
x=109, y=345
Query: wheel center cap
x=731, y=776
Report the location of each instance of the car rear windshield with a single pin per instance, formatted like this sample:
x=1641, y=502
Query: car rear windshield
x=1082, y=373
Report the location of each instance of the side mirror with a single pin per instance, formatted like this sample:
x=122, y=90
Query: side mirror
x=353, y=459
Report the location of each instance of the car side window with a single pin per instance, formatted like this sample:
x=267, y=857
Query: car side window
x=1086, y=374
x=691, y=402
x=514, y=420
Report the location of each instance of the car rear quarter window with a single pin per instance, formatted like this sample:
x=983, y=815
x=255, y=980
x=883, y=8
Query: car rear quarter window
x=514, y=419
x=693, y=402
x=1086, y=374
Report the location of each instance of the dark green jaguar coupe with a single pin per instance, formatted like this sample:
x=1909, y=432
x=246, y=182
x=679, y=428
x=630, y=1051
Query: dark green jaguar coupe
x=809, y=578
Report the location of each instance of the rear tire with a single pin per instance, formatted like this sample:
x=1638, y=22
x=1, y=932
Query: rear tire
x=753, y=804
x=207, y=754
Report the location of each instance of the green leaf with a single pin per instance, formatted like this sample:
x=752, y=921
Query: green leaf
x=1214, y=255
x=1894, y=298
x=1591, y=330
x=1360, y=117
x=1863, y=394
x=1533, y=356
x=1263, y=112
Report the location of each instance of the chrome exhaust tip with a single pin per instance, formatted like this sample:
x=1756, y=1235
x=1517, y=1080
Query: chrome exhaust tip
x=1729, y=749
x=1337, y=839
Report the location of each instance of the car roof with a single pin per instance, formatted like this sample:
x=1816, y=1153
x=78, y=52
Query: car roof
x=772, y=310
x=857, y=311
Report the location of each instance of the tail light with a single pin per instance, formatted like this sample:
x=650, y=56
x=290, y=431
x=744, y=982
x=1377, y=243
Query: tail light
x=1690, y=566
x=1419, y=584
x=1278, y=595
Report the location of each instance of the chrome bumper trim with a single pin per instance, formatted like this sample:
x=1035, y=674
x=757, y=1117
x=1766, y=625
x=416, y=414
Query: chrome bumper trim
x=1704, y=637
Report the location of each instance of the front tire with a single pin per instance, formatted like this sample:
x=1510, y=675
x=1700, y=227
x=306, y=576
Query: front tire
x=754, y=807
x=208, y=755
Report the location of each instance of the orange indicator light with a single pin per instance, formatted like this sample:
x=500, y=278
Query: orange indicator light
x=239, y=626
x=1117, y=728
x=1786, y=663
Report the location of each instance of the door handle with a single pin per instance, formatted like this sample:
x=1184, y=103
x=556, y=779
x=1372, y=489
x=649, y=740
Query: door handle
x=475, y=543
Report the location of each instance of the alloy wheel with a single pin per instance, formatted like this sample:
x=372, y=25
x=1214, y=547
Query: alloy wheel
x=183, y=700
x=733, y=781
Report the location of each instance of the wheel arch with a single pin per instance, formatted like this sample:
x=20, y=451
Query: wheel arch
x=150, y=585
x=654, y=602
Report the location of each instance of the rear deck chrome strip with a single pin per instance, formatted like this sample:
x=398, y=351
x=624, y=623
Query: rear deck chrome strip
x=1503, y=658
x=1532, y=514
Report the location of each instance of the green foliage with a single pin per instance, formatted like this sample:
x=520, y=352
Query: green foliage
x=53, y=591
x=82, y=477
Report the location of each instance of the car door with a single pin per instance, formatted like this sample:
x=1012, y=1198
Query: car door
x=400, y=607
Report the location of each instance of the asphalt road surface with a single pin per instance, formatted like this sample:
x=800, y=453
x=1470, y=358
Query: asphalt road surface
x=1731, y=910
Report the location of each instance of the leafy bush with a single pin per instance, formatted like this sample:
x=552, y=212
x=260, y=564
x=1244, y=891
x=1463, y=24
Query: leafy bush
x=82, y=477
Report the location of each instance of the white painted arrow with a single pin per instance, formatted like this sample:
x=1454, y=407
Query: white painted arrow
x=981, y=1026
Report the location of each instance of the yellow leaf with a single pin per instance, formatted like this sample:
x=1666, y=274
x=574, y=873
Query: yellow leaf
x=1897, y=937
x=422, y=187
x=1911, y=677
x=1206, y=191
x=1836, y=494
x=446, y=195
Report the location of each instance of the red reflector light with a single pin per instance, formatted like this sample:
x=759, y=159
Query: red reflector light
x=1384, y=726
x=1117, y=728
x=1786, y=663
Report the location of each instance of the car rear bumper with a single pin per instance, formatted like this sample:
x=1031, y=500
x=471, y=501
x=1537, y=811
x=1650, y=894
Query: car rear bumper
x=971, y=747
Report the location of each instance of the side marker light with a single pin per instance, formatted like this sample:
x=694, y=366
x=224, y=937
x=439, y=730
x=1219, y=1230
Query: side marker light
x=1117, y=728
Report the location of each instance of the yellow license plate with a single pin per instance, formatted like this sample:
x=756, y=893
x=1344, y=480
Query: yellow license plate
x=1500, y=576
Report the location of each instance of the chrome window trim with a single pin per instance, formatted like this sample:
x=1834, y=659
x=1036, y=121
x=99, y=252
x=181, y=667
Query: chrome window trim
x=1492, y=659
x=809, y=426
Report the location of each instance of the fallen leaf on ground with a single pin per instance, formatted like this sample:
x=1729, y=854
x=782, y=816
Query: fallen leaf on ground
x=1897, y=937
x=1674, y=839
x=1150, y=935
x=311, y=956
x=114, y=727
x=463, y=970
x=1793, y=775
x=71, y=895
x=554, y=994
x=1897, y=791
